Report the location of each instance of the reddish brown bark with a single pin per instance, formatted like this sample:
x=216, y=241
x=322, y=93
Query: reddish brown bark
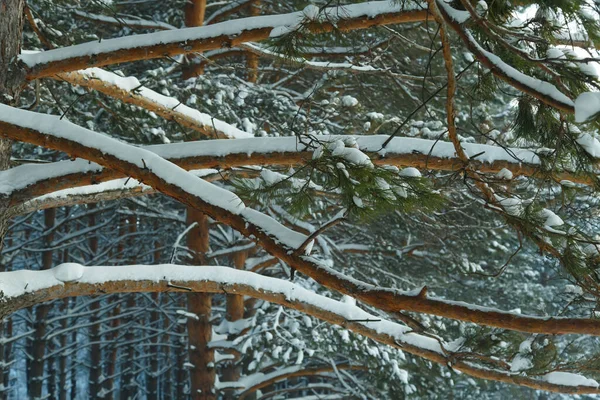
x=194, y=12
x=251, y=58
x=234, y=312
x=200, y=45
x=291, y=159
x=360, y=327
x=385, y=299
x=194, y=16
x=202, y=374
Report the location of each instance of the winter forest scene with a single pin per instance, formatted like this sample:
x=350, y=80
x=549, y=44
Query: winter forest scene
x=299, y=199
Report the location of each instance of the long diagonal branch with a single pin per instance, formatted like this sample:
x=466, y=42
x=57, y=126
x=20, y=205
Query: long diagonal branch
x=281, y=242
x=27, y=288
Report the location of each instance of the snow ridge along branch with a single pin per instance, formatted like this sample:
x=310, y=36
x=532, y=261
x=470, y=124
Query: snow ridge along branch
x=225, y=207
x=71, y=279
x=211, y=37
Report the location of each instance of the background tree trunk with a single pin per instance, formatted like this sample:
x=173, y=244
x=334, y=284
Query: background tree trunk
x=202, y=374
x=94, y=337
x=234, y=312
x=251, y=58
x=194, y=16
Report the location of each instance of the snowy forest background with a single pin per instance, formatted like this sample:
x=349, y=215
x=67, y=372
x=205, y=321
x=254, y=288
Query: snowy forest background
x=434, y=234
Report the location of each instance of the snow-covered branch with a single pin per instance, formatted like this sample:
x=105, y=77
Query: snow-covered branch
x=541, y=90
x=25, y=288
x=227, y=208
x=211, y=37
x=129, y=90
x=27, y=181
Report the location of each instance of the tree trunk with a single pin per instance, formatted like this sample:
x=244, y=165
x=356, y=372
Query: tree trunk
x=152, y=376
x=194, y=12
x=94, y=335
x=62, y=364
x=202, y=375
x=234, y=312
x=194, y=16
x=251, y=58
x=36, y=373
x=108, y=383
x=11, y=81
x=128, y=387
x=11, y=78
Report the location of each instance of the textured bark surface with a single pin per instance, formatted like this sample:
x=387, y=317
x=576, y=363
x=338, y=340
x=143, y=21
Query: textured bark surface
x=11, y=80
x=251, y=58
x=202, y=374
x=11, y=28
x=234, y=312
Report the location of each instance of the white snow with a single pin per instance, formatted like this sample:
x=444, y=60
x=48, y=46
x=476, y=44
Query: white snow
x=504, y=174
x=410, y=172
x=16, y=283
x=590, y=144
x=537, y=85
x=551, y=218
x=587, y=106
x=68, y=272
x=569, y=379
x=279, y=24
x=132, y=85
x=349, y=101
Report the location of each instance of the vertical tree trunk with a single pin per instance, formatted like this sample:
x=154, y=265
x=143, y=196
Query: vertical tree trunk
x=111, y=367
x=36, y=373
x=194, y=12
x=180, y=371
x=201, y=356
x=194, y=16
x=94, y=335
x=11, y=81
x=11, y=78
x=5, y=349
x=251, y=58
x=128, y=387
x=152, y=376
x=62, y=363
x=234, y=312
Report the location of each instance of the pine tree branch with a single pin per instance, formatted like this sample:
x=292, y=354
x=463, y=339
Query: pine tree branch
x=281, y=242
x=193, y=40
x=90, y=281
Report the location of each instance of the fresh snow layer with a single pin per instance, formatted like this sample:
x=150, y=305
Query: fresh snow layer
x=587, y=106
x=279, y=24
x=538, y=85
x=68, y=272
x=16, y=283
x=130, y=84
x=165, y=170
x=569, y=379
x=20, y=177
